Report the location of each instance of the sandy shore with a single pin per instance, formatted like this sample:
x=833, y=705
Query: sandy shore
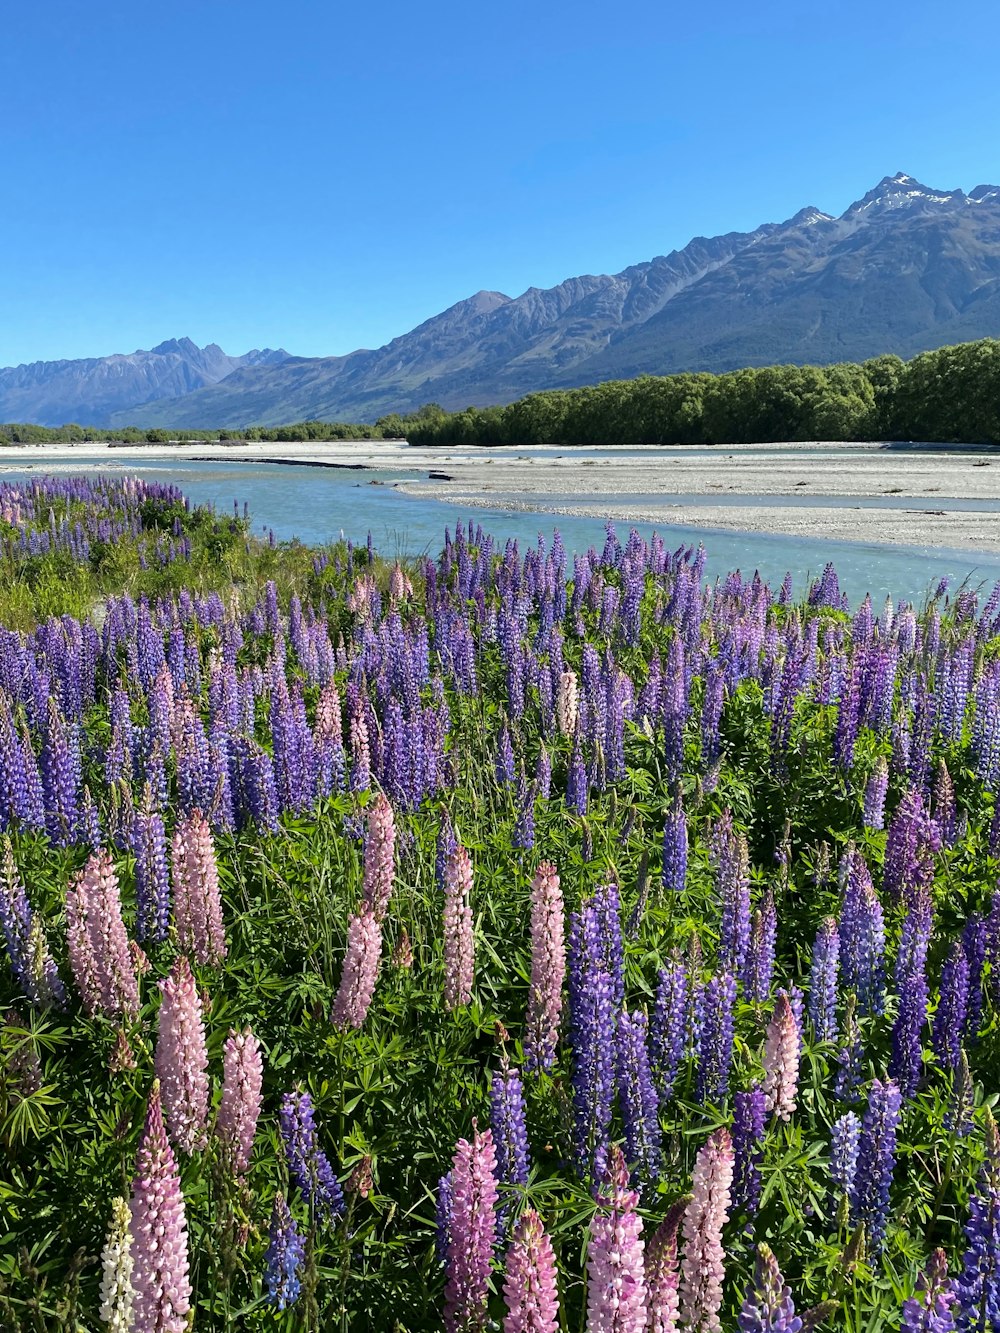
x=651, y=484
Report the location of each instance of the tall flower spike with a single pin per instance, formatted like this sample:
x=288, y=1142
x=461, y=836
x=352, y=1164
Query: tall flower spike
x=308, y=1165
x=380, y=852
x=548, y=968
x=616, y=1279
x=749, y=1111
x=285, y=1252
x=472, y=1233
x=530, y=1281
x=639, y=1103
x=32, y=963
x=768, y=1307
x=98, y=945
x=117, y=1293
x=934, y=1307
x=159, y=1231
x=978, y=1284
x=663, y=1273
x=361, y=965
x=197, y=902
x=510, y=1136
x=844, y=1139
x=459, y=946
x=703, y=1266
x=715, y=1040
x=181, y=1059
x=823, y=981
x=239, y=1109
x=781, y=1059
x=876, y=1161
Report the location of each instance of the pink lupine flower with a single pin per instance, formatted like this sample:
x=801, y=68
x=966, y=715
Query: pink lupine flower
x=402, y=954
x=471, y=1232
x=781, y=1059
x=239, y=1109
x=459, y=947
x=567, y=703
x=159, y=1232
x=703, y=1266
x=548, y=967
x=197, y=903
x=329, y=719
x=380, y=850
x=361, y=964
x=181, y=1059
x=616, y=1279
x=530, y=1283
x=663, y=1274
x=397, y=583
x=99, y=955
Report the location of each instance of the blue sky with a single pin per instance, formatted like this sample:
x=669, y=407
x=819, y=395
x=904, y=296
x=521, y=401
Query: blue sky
x=324, y=176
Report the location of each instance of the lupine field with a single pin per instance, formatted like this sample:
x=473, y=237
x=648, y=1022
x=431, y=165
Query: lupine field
x=510, y=940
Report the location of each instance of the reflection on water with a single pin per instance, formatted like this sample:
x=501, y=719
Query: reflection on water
x=317, y=504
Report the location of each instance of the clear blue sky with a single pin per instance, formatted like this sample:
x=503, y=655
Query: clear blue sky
x=323, y=176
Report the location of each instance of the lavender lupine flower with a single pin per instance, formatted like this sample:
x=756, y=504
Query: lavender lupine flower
x=781, y=1059
x=591, y=1035
x=823, y=981
x=616, y=1280
x=934, y=1307
x=360, y=972
x=758, y=967
x=733, y=879
x=906, y=1061
x=239, y=1109
x=197, y=901
x=639, y=1103
x=675, y=848
x=98, y=946
x=974, y=943
x=876, y=1161
x=978, y=1284
x=510, y=1135
x=459, y=946
x=749, y=1111
x=285, y=1252
x=530, y=1279
x=663, y=1272
x=148, y=844
x=31, y=962
x=159, y=1231
x=577, y=782
x=845, y=1136
x=875, y=793
x=703, y=1266
x=181, y=1059
x=380, y=851
x=862, y=935
x=308, y=1165
x=715, y=1043
x=117, y=1293
x=548, y=968
x=472, y=1233
x=768, y=1307
x=442, y=1218
x=949, y=1017
x=668, y=1030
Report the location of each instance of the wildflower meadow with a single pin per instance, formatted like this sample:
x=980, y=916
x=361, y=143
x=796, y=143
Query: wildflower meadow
x=503, y=939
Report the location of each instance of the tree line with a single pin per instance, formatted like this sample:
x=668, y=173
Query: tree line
x=952, y=394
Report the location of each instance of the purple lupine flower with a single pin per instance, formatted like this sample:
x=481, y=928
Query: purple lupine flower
x=974, y=943
x=548, y=968
x=637, y=1096
x=472, y=1233
x=875, y=793
x=977, y=1286
x=823, y=981
x=591, y=1038
x=577, y=783
x=876, y=1161
x=31, y=962
x=607, y=905
x=749, y=1112
x=715, y=1047
x=442, y=1218
x=523, y=835
x=768, y=1307
x=505, y=757
x=148, y=844
x=285, y=1253
x=668, y=1027
x=949, y=1017
x=308, y=1165
x=733, y=880
x=758, y=966
x=510, y=1135
x=906, y=1062
x=934, y=1307
x=844, y=1139
x=862, y=935
x=675, y=848
x=849, y=1056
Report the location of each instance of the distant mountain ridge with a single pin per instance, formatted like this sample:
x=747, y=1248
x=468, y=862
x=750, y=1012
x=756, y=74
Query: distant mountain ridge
x=904, y=269
x=91, y=390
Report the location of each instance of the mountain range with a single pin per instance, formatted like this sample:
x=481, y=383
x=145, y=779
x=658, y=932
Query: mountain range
x=904, y=269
